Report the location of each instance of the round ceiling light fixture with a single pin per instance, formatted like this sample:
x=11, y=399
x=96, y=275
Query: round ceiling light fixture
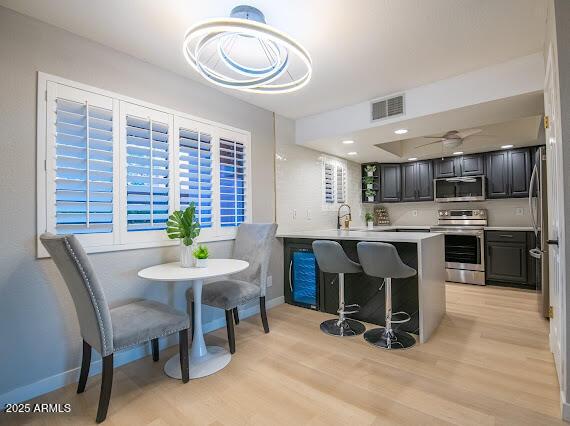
x=242, y=52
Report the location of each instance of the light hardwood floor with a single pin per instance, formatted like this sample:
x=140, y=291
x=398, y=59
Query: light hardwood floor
x=488, y=363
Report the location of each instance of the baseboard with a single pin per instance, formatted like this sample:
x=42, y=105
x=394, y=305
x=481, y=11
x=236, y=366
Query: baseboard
x=48, y=384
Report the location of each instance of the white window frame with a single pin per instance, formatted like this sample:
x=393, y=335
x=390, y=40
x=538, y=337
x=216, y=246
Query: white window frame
x=120, y=240
x=336, y=163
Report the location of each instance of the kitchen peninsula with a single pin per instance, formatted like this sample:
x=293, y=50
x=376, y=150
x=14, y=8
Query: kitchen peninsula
x=422, y=296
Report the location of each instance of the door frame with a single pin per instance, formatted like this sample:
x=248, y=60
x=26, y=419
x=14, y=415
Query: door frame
x=551, y=78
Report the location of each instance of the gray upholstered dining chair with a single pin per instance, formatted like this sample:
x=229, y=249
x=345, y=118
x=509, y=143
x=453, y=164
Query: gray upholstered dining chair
x=252, y=244
x=109, y=330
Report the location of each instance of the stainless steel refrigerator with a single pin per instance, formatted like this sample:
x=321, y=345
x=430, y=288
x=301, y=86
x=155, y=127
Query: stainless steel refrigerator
x=538, y=206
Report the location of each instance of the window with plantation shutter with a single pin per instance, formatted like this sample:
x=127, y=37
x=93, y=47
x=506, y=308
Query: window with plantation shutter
x=195, y=170
x=232, y=177
x=80, y=165
x=147, y=137
x=111, y=169
x=334, y=182
x=340, y=183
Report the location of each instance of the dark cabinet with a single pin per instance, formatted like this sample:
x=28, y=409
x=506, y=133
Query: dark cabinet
x=390, y=183
x=497, y=174
x=519, y=172
x=417, y=181
x=465, y=165
x=301, y=275
x=472, y=165
x=507, y=258
x=446, y=167
x=508, y=173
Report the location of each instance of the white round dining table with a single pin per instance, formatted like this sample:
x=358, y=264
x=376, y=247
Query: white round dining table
x=204, y=360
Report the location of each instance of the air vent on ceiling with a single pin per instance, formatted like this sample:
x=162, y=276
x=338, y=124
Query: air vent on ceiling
x=387, y=107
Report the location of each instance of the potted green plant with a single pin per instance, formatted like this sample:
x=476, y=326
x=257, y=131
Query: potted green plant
x=369, y=218
x=201, y=255
x=369, y=182
x=370, y=195
x=370, y=169
x=184, y=226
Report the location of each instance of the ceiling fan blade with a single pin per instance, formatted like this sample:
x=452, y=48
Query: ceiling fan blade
x=469, y=132
x=430, y=143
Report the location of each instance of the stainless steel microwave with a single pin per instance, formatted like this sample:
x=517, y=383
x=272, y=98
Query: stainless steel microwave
x=465, y=188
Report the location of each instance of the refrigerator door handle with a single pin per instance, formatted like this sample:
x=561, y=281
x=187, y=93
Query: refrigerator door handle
x=530, y=207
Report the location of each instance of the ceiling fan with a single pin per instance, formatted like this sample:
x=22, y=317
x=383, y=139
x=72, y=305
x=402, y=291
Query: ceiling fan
x=452, y=139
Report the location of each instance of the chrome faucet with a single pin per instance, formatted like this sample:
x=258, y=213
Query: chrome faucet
x=348, y=215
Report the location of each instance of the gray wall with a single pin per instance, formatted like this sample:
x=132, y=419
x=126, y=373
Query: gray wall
x=38, y=328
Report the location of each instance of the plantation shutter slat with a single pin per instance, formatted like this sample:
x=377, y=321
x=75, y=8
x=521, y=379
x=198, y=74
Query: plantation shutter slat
x=148, y=174
x=232, y=180
x=195, y=174
x=83, y=166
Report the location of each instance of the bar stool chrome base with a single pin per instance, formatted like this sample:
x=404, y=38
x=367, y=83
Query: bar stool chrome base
x=394, y=340
x=345, y=328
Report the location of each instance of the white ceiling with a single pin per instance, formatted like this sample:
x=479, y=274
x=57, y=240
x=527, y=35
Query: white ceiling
x=512, y=120
x=361, y=49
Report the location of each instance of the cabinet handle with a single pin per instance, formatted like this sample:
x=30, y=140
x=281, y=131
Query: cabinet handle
x=290, y=283
x=506, y=236
x=552, y=242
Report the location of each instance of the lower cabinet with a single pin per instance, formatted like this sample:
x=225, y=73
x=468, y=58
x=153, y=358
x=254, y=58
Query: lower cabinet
x=507, y=258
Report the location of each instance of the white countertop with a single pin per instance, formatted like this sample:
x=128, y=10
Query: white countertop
x=361, y=235
x=487, y=228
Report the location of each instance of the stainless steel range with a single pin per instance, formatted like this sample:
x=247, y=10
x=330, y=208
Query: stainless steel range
x=464, y=244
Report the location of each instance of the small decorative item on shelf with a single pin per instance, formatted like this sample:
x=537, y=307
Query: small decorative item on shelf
x=185, y=227
x=370, y=195
x=381, y=216
x=201, y=255
x=369, y=220
x=370, y=169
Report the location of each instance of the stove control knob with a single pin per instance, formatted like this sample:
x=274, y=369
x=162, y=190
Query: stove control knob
x=441, y=213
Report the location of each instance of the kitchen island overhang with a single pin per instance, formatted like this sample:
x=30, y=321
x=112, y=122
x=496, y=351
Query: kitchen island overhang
x=422, y=296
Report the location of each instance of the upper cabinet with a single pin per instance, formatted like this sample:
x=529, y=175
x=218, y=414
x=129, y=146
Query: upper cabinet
x=447, y=167
x=390, y=183
x=508, y=173
x=472, y=165
x=417, y=181
x=466, y=165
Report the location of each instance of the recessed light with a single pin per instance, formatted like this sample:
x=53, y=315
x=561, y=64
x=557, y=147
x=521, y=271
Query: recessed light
x=352, y=153
x=412, y=159
x=401, y=131
x=506, y=146
x=458, y=153
x=347, y=142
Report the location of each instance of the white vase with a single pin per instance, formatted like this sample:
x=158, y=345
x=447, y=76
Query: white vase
x=370, y=224
x=371, y=199
x=201, y=263
x=370, y=173
x=186, y=257
x=369, y=185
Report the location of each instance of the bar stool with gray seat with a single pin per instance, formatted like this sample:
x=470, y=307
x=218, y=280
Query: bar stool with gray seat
x=382, y=260
x=109, y=330
x=331, y=258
